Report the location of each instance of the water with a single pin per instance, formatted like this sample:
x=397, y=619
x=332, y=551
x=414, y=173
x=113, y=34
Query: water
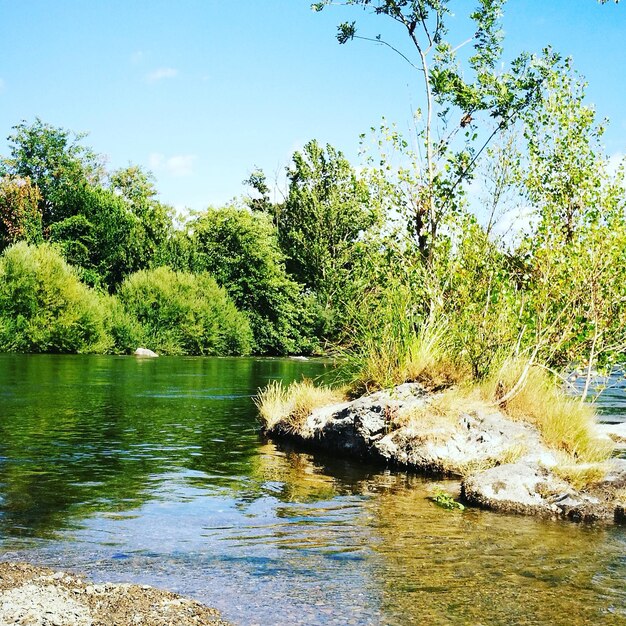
x=153, y=471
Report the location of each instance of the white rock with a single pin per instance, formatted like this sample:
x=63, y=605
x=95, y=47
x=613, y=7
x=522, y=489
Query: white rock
x=144, y=352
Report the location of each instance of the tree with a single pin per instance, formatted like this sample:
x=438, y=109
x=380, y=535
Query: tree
x=153, y=226
x=20, y=216
x=55, y=161
x=465, y=107
x=240, y=249
x=326, y=213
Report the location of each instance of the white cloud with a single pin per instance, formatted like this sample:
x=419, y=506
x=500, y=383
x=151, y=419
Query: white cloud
x=2, y=83
x=177, y=165
x=161, y=73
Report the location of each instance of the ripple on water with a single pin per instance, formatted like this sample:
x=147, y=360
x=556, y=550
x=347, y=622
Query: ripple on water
x=156, y=475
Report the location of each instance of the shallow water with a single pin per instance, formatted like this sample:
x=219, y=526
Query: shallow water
x=153, y=471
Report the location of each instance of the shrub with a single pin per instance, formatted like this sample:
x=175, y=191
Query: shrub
x=43, y=305
x=183, y=313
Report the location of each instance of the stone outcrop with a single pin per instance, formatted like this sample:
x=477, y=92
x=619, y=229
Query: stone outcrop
x=504, y=464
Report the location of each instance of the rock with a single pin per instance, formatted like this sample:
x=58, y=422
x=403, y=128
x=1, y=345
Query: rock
x=504, y=463
x=144, y=352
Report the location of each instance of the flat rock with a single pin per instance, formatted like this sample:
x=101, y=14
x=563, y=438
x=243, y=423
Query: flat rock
x=617, y=432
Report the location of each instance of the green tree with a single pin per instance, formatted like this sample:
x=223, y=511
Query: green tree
x=326, y=213
x=153, y=226
x=240, y=249
x=56, y=162
x=466, y=104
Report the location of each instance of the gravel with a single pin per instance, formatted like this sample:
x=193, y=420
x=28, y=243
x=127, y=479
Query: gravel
x=36, y=596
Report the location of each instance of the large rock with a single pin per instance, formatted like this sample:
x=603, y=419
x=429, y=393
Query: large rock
x=504, y=464
x=616, y=432
x=532, y=489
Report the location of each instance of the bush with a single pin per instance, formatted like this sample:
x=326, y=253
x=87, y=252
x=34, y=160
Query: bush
x=241, y=250
x=183, y=313
x=43, y=305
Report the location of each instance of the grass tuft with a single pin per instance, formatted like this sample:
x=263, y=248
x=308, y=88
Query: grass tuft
x=398, y=354
x=566, y=423
x=581, y=475
x=290, y=406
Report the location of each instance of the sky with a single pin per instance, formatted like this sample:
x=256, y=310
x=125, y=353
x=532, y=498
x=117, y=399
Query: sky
x=200, y=92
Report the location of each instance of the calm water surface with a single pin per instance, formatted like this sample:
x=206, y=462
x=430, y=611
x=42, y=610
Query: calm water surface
x=153, y=471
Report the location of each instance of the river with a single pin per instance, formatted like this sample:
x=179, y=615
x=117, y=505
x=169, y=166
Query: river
x=153, y=471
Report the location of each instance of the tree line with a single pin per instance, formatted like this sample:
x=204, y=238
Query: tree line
x=400, y=266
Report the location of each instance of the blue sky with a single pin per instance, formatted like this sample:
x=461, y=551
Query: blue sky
x=201, y=91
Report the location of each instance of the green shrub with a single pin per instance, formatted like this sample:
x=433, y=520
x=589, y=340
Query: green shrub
x=241, y=251
x=43, y=305
x=183, y=313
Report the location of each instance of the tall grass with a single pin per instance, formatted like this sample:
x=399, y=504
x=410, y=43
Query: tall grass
x=392, y=341
x=566, y=423
x=290, y=406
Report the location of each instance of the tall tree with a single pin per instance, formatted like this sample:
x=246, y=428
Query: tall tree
x=56, y=162
x=326, y=211
x=466, y=103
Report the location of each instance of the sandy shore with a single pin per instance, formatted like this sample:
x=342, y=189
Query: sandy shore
x=37, y=596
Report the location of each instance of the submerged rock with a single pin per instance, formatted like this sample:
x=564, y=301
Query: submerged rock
x=144, y=352
x=504, y=464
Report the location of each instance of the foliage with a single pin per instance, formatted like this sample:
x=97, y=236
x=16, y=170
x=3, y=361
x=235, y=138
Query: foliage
x=465, y=106
x=20, y=216
x=43, y=305
x=240, y=249
x=326, y=212
x=55, y=161
x=183, y=313
x=446, y=501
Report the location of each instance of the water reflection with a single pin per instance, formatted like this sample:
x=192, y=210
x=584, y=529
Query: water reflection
x=153, y=471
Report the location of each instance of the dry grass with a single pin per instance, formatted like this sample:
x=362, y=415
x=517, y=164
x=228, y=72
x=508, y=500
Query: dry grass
x=441, y=413
x=290, y=406
x=581, y=475
x=400, y=355
x=565, y=423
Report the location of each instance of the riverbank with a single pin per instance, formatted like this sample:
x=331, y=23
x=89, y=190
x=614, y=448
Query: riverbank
x=502, y=463
x=37, y=596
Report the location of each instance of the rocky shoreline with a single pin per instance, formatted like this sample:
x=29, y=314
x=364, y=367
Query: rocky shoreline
x=503, y=464
x=37, y=596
